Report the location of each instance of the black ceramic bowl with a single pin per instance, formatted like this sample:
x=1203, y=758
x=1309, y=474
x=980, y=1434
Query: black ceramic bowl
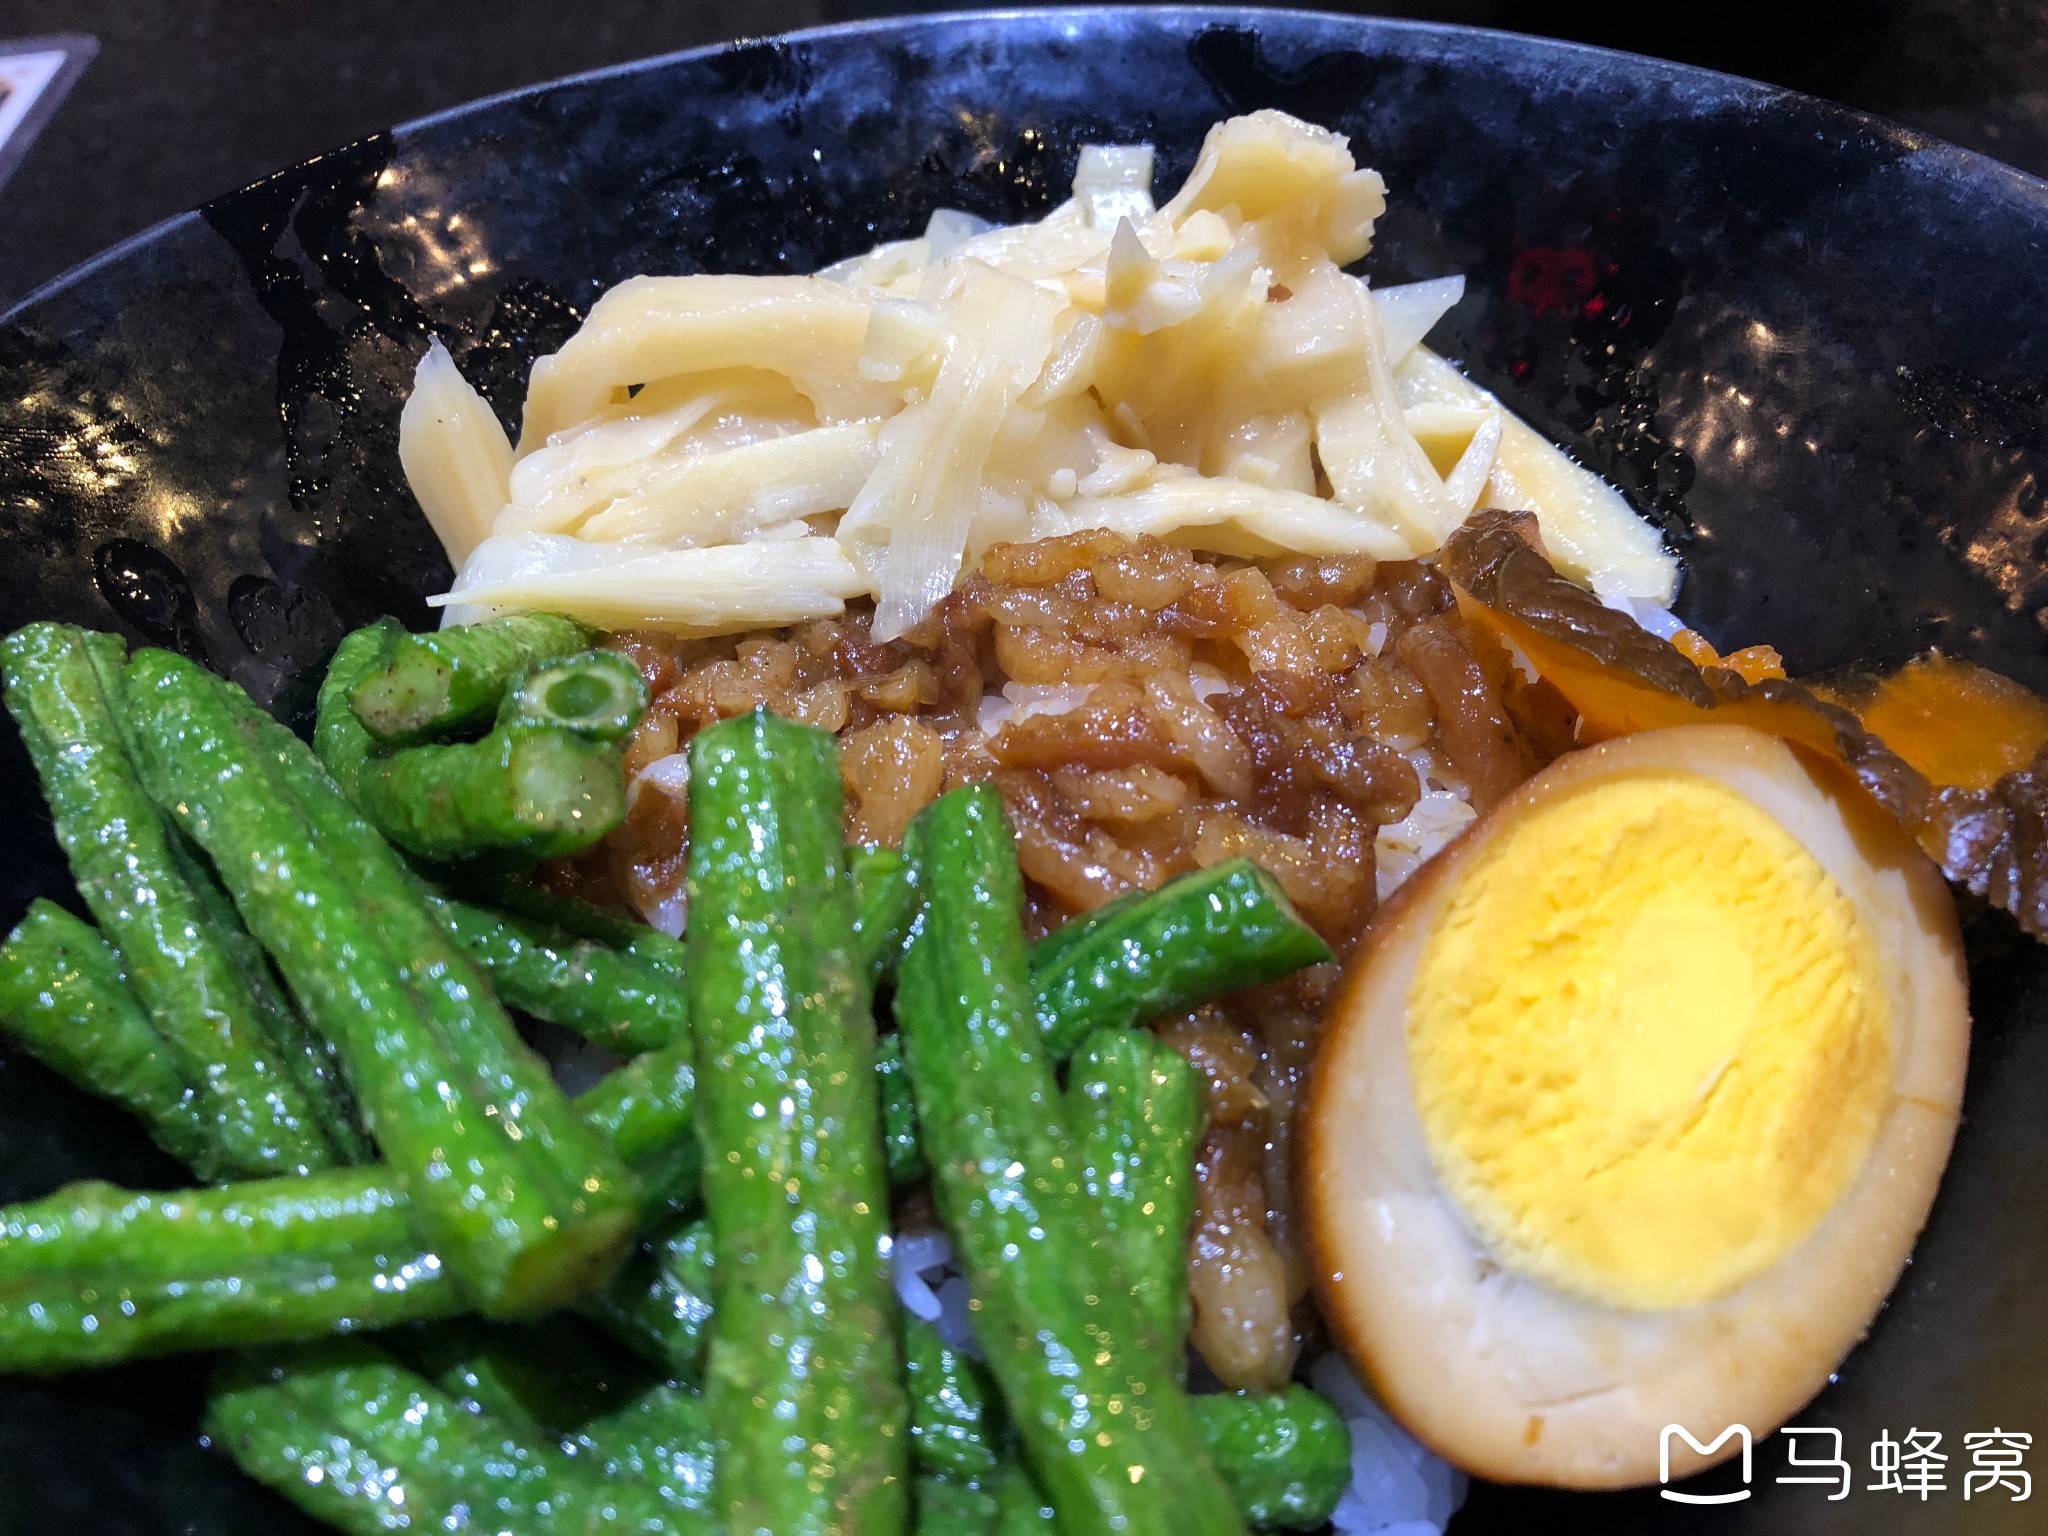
x=1809, y=345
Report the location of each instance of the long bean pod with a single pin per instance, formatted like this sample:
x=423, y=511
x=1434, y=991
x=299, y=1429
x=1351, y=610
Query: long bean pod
x=598, y=695
x=520, y=794
x=946, y=1508
x=118, y=846
x=1008, y=1504
x=370, y=1426
x=884, y=901
x=902, y=1147
x=94, y=1274
x=1286, y=1455
x=444, y=683
x=803, y=1379
x=570, y=1157
x=1161, y=961
x=585, y=919
x=1134, y=1106
x=1107, y=1432
x=523, y=793
x=956, y=1417
x=307, y=1057
x=545, y=1378
x=646, y=1112
x=584, y=966
x=545, y=782
x=346, y=749
x=273, y=1260
x=1191, y=940
x=606, y=997
x=358, y=1441
x=514, y=1194
x=662, y=1439
x=64, y=1001
x=1146, y=953
x=659, y=1303
x=301, y=1054
x=1020, y=1507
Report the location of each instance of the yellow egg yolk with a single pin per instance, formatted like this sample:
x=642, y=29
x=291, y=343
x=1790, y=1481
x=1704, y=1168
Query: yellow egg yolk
x=1650, y=1041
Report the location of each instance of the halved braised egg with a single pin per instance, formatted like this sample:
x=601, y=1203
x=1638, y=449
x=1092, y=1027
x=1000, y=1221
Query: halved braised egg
x=1632, y=1105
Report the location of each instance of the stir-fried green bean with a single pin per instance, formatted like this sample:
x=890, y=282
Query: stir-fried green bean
x=95, y=1274
x=356, y=1440
x=803, y=1381
x=1146, y=953
x=659, y=1303
x=956, y=1418
x=433, y=686
x=520, y=1201
x=256, y=1114
x=597, y=695
x=303, y=1053
x=902, y=1150
x=1069, y=1210
x=1134, y=1106
x=63, y=999
x=662, y=1440
x=585, y=919
x=1286, y=1455
x=279, y=1259
x=646, y=1112
x=544, y=1378
x=946, y=1508
x=1106, y=1430
x=1193, y=939
x=883, y=903
x=603, y=995
x=882, y=895
x=1020, y=1506
x=523, y=793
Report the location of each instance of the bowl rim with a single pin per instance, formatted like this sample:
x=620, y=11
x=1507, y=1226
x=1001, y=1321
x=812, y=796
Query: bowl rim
x=1952, y=158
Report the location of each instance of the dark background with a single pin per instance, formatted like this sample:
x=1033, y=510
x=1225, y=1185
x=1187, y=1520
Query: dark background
x=188, y=100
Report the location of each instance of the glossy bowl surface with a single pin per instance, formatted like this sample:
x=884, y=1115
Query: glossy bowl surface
x=1812, y=346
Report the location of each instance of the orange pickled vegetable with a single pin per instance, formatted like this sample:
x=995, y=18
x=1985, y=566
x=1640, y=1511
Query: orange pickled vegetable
x=1958, y=754
x=1753, y=663
x=1958, y=723
x=1618, y=696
